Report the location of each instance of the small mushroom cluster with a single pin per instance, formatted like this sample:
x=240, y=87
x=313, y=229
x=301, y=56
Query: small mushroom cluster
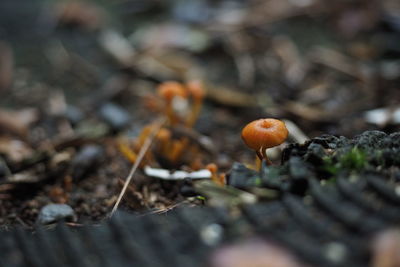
x=176, y=98
x=181, y=105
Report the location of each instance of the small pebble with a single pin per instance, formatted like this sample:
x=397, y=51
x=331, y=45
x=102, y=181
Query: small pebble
x=87, y=158
x=114, y=115
x=241, y=177
x=74, y=114
x=336, y=252
x=191, y=11
x=52, y=213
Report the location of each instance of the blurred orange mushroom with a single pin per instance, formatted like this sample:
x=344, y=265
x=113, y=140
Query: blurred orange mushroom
x=169, y=91
x=197, y=92
x=217, y=178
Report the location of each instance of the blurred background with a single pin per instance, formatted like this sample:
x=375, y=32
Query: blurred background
x=327, y=67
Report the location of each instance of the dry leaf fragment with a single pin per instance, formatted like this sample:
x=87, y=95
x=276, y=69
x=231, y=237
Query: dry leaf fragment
x=335, y=60
x=117, y=46
x=15, y=150
x=176, y=175
x=229, y=97
x=17, y=122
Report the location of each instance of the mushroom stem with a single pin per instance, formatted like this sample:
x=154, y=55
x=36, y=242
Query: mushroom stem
x=264, y=154
x=197, y=93
x=170, y=114
x=168, y=91
x=259, y=154
x=257, y=163
x=194, y=114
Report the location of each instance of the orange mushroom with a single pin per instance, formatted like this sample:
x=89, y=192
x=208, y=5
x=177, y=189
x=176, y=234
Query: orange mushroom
x=262, y=134
x=169, y=91
x=196, y=90
x=217, y=178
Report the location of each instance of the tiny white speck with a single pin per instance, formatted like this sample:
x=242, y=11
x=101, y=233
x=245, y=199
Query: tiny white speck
x=212, y=234
x=397, y=190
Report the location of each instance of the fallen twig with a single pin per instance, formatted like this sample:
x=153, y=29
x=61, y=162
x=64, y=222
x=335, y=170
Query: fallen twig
x=141, y=154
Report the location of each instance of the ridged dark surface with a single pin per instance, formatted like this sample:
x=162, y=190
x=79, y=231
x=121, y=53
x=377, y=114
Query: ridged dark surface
x=174, y=238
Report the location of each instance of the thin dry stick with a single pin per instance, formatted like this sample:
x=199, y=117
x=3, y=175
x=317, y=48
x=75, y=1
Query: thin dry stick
x=142, y=152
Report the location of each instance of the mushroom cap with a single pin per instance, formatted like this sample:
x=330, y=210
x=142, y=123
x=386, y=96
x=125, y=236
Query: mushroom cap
x=169, y=90
x=264, y=133
x=196, y=89
x=212, y=167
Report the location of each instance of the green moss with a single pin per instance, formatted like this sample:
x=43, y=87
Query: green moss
x=201, y=198
x=353, y=160
x=329, y=165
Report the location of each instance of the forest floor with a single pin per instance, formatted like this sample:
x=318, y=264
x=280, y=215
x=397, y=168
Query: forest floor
x=78, y=84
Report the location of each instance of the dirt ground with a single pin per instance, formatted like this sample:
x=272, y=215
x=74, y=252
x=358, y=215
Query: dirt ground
x=78, y=84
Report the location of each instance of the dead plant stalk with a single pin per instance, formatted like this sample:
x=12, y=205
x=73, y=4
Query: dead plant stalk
x=146, y=145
